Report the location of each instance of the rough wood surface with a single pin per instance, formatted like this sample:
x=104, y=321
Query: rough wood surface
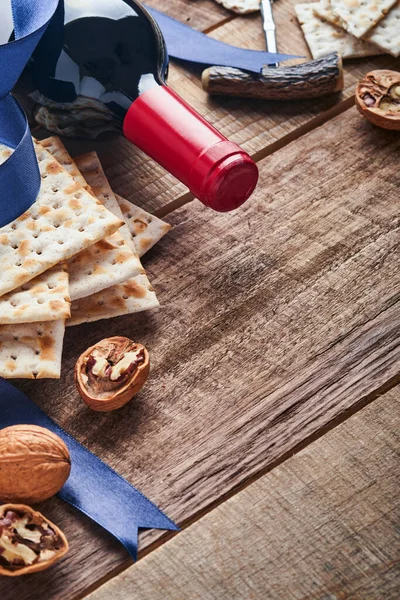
x=325, y=524
x=278, y=320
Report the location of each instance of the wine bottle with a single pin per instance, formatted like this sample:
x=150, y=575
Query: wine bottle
x=113, y=51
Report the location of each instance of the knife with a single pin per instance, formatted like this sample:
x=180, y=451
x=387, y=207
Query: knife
x=268, y=25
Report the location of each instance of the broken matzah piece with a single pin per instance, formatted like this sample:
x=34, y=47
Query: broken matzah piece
x=31, y=350
x=359, y=16
x=126, y=298
x=105, y=263
x=146, y=229
x=241, y=7
x=44, y=298
x=385, y=35
x=323, y=38
x=64, y=220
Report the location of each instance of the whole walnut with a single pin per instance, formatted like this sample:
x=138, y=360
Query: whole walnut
x=34, y=464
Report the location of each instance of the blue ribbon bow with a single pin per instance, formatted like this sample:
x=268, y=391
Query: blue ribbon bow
x=92, y=487
x=19, y=174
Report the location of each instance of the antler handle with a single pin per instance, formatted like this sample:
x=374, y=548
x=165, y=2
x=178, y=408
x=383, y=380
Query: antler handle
x=308, y=80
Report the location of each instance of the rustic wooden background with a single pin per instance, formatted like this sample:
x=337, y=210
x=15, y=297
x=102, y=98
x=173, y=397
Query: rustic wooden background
x=277, y=323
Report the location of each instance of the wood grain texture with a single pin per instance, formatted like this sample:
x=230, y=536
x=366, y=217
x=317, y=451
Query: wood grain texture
x=277, y=321
x=325, y=524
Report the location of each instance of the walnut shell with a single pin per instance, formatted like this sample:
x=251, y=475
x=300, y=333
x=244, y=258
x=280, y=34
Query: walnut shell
x=42, y=538
x=378, y=98
x=110, y=373
x=34, y=464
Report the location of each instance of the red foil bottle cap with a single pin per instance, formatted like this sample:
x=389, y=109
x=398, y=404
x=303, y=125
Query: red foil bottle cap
x=217, y=172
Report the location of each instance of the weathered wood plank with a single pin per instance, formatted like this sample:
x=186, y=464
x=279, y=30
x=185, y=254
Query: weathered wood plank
x=322, y=525
x=277, y=321
x=202, y=15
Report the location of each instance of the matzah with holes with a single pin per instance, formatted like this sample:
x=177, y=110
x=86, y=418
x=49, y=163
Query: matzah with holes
x=105, y=263
x=323, y=38
x=359, y=16
x=57, y=149
x=90, y=170
x=64, y=220
x=126, y=298
x=90, y=166
x=241, y=7
x=146, y=229
x=44, y=298
x=385, y=35
x=31, y=350
x=132, y=296
x=31, y=303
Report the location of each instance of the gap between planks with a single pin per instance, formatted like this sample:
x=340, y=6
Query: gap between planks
x=317, y=121
x=362, y=403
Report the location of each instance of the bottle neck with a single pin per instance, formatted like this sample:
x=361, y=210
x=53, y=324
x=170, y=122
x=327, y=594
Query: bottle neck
x=216, y=171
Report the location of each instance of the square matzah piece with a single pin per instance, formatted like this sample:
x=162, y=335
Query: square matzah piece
x=31, y=350
x=323, y=38
x=385, y=36
x=105, y=263
x=64, y=220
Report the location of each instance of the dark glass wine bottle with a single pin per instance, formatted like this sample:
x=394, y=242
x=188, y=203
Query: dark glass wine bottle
x=115, y=52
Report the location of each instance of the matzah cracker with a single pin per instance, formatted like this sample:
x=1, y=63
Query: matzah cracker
x=31, y=350
x=386, y=34
x=133, y=296
x=90, y=166
x=44, y=298
x=323, y=38
x=146, y=229
x=241, y=7
x=64, y=220
x=359, y=16
x=105, y=263
x=57, y=149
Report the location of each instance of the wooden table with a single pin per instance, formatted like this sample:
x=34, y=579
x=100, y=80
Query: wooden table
x=278, y=322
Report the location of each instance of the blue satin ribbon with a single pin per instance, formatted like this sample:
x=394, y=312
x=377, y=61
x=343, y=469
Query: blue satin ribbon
x=92, y=487
x=19, y=186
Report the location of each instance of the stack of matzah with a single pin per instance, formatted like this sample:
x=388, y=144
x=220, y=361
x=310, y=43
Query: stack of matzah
x=353, y=28
x=71, y=258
